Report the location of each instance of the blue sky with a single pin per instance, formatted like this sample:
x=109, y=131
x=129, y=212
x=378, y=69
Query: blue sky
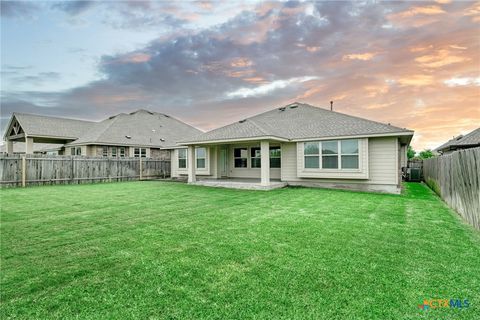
x=412, y=64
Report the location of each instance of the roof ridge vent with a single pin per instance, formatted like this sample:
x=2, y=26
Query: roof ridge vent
x=242, y=121
x=166, y=116
x=282, y=108
x=293, y=106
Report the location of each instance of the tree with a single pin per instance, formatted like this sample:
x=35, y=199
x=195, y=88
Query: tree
x=410, y=152
x=425, y=154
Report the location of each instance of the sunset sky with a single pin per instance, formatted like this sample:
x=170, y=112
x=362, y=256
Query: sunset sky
x=411, y=64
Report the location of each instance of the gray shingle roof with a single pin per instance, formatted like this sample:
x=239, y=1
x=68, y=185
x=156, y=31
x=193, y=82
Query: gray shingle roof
x=37, y=125
x=470, y=139
x=298, y=121
x=145, y=128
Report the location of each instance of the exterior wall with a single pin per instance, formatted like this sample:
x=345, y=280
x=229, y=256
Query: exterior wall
x=382, y=168
x=177, y=172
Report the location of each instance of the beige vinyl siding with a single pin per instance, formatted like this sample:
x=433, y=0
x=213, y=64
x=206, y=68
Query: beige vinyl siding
x=382, y=162
x=383, y=154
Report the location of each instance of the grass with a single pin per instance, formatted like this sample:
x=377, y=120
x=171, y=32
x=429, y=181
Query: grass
x=159, y=250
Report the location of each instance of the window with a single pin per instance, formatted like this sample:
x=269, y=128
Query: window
x=275, y=157
x=330, y=154
x=349, y=154
x=105, y=151
x=140, y=152
x=335, y=154
x=255, y=160
x=114, y=152
x=79, y=151
x=201, y=154
x=72, y=151
x=122, y=152
x=240, y=157
x=312, y=155
x=182, y=158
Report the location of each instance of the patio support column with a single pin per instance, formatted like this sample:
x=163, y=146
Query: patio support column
x=9, y=147
x=28, y=145
x=214, y=161
x=265, y=163
x=191, y=164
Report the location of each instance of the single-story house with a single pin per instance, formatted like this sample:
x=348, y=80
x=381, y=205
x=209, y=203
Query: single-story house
x=470, y=140
x=38, y=148
x=299, y=145
x=138, y=134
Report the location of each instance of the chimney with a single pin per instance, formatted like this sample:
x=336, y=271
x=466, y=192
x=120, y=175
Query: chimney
x=331, y=105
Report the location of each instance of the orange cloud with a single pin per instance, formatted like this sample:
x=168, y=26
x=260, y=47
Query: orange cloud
x=379, y=105
x=310, y=92
x=416, y=80
x=360, y=56
x=413, y=11
x=440, y=59
x=255, y=80
x=241, y=62
x=474, y=12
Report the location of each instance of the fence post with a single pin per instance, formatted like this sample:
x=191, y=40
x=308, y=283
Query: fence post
x=72, y=170
x=24, y=170
x=140, y=178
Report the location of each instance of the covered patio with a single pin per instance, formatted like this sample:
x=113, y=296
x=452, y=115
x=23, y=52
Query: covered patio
x=248, y=164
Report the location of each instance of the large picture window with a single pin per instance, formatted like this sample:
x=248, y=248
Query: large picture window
x=182, y=158
x=240, y=157
x=335, y=154
x=201, y=154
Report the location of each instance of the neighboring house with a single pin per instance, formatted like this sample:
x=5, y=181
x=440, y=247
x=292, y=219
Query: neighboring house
x=299, y=144
x=138, y=134
x=470, y=140
x=38, y=148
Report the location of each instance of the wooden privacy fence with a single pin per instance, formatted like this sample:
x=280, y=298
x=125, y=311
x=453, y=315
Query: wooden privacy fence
x=456, y=178
x=21, y=170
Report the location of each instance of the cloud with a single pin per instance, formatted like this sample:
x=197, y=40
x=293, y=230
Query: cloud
x=16, y=8
x=360, y=56
x=439, y=59
x=74, y=7
x=416, y=80
x=267, y=88
x=463, y=81
x=424, y=10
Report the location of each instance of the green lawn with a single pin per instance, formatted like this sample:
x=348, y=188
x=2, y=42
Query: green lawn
x=155, y=250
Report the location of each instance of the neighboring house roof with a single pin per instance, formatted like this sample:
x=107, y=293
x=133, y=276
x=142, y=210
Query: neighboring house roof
x=142, y=128
x=36, y=125
x=298, y=121
x=19, y=147
x=468, y=140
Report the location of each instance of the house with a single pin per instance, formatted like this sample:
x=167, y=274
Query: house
x=470, y=140
x=298, y=145
x=38, y=148
x=138, y=134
